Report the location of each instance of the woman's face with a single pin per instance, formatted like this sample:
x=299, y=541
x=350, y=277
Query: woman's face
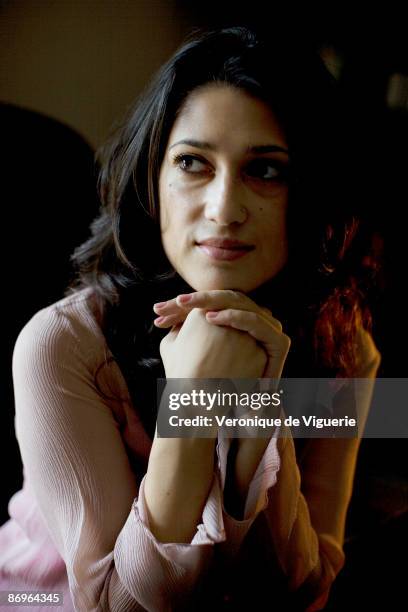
x=223, y=178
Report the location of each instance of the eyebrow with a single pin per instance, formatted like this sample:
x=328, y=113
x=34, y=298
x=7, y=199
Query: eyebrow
x=268, y=148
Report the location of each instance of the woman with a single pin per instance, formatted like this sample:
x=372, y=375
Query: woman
x=226, y=247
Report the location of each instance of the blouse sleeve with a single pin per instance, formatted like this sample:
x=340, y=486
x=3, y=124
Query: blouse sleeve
x=76, y=462
x=305, y=506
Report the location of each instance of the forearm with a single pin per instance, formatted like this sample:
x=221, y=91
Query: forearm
x=178, y=481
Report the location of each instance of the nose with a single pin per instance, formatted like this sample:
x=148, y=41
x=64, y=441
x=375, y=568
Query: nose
x=225, y=201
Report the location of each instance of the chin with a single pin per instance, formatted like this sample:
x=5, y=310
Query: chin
x=244, y=287
x=210, y=280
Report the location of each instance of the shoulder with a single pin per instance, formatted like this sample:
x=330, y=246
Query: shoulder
x=63, y=329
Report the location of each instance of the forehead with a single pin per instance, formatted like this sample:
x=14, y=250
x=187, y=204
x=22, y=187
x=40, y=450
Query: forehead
x=223, y=114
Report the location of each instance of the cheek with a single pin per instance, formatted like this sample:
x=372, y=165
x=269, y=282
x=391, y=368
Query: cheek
x=175, y=211
x=273, y=231
x=167, y=199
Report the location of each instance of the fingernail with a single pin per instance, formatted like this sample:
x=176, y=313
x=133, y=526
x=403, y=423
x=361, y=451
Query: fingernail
x=159, y=320
x=212, y=315
x=184, y=298
x=159, y=304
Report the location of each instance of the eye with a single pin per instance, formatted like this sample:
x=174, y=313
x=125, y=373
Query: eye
x=267, y=170
x=190, y=163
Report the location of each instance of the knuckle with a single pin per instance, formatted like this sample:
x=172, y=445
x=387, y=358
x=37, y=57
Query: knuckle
x=196, y=313
x=286, y=341
x=269, y=315
x=235, y=295
x=228, y=315
x=275, y=321
x=252, y=316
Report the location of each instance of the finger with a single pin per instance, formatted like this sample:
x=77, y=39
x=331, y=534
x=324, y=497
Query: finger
x=169, y=307
x=219, y=299
x=216, y=299
x=275, y=343
x=250, y=322
x=222, y=298
x=275, y=322
x=179, y=303
x=169, y=320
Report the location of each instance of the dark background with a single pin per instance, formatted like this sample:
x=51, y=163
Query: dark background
x=70, y=69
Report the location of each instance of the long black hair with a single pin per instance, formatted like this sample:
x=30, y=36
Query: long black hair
x=320, y=295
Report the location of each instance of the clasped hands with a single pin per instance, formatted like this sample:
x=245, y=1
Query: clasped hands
x=235, y=310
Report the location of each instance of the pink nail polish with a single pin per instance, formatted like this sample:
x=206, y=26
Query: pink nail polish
x=159, y=304
x=159, y=320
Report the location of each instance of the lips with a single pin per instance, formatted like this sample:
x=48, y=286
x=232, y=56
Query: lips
x=224, y=249
x=226, y=243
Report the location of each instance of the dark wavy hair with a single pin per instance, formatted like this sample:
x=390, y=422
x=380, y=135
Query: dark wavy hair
x=321, y=294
